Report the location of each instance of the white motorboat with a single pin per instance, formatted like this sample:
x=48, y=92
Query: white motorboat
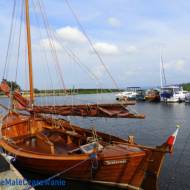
x=172, y=94
x=129, y=94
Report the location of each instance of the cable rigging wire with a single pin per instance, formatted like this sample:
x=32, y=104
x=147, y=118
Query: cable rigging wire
x=44, y=52
x=68, y=51
x=51, y=36
x=10, y=40
x=93, y=48
x=52, y=48
x=71, y=54
x=39, y=7
x=51, y=43
x=19, y=38
x=91, y=44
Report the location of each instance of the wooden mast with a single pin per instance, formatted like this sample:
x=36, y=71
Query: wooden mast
x=29, y=51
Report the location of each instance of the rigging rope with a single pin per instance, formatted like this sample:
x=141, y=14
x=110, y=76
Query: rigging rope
x=51, y=42
x=59, y=174
x=91, y=44
x=51, y=34
x=10, y=39
x=19, y=38
x=68, y=52
x=52, y=45
x=44, y=52
x=76, y=60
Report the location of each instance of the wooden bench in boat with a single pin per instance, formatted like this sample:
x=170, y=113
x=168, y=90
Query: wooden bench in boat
x=43, y=138
x=69, y=135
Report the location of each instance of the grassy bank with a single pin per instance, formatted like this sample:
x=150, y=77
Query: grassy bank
x=60, y=92
x=186, y=86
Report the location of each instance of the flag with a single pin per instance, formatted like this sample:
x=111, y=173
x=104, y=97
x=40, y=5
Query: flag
x=172, y=138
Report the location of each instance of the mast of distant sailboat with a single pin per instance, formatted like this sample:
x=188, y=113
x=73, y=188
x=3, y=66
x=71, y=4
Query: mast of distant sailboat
x=162, y=72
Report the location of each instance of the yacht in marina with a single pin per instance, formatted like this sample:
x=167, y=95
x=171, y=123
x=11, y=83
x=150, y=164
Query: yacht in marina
x=172, y=94
x=129, y=94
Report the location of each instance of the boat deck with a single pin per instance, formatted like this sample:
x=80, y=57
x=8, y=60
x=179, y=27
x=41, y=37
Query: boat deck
x=63, y=144
x=41, y=144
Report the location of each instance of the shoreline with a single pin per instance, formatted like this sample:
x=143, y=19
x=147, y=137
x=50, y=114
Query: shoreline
x=44, y=93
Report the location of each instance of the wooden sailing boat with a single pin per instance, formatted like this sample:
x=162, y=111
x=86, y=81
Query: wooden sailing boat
x=47, y=145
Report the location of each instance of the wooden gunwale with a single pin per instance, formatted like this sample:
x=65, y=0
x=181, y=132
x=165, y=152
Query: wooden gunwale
x=14, y=123
x=26, y=153
x=144, y=147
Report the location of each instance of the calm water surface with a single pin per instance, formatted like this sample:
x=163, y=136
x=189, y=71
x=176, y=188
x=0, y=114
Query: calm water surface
x=159, y=123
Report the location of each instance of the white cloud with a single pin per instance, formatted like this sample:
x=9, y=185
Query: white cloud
x=167, y=66
x=99, y=71
x=46, y=43
x=71, y=34
x=114, y=22
x=180, y=65
x=131, y=49
x=106, y=48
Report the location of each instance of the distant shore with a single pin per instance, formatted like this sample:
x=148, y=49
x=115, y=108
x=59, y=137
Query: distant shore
x=57, y=92
x=62, y=92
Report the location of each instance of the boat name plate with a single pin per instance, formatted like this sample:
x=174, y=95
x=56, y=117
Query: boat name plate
x=113, y=162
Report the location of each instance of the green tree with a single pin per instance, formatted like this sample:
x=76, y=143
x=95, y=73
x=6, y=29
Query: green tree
x=186, y=86
x=13, y=85
x=36, y=90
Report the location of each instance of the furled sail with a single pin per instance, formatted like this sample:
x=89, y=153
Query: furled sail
x=89, y=110
x=84, y=110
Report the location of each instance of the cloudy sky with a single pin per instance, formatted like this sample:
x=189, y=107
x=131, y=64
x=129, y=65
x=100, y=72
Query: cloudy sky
x=127, y=34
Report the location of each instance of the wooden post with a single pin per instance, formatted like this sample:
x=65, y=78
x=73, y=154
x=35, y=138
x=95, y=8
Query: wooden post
x=29, y=51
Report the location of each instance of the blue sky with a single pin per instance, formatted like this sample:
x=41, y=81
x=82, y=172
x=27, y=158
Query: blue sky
x=127, y=34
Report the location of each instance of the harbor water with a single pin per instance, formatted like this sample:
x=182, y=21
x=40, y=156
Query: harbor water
x=160, y=122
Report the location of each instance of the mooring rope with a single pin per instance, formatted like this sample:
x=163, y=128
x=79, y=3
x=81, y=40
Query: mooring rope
x=91, y=157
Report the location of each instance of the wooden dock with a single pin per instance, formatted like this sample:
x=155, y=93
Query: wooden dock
x=10, y=178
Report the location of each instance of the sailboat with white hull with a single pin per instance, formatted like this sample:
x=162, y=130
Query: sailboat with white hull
x=170, y=93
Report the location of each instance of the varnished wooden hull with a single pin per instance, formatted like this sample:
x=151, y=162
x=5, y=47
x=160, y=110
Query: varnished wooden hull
x=119, y=173
x=125, y=172
x=43, y=148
